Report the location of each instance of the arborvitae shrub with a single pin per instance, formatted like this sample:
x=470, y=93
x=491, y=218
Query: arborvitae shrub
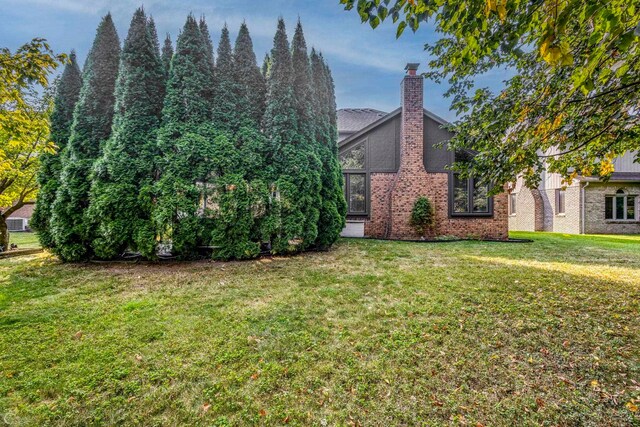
x=122, y=193
x=66, y=97
x=186, y=142
x=91, y=127
x=235, y=160
x=250, y=84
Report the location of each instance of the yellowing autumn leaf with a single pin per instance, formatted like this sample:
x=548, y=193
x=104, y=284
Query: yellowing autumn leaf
x=502, y=10
x=632, y=406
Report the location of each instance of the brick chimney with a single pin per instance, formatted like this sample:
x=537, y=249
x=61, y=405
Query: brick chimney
x=412, y=179
x=411, y=133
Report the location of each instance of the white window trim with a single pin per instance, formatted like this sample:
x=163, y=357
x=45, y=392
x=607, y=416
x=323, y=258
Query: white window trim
x=625, y=197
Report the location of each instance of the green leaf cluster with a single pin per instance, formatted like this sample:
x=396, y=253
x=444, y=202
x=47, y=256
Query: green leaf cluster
x=572, y=69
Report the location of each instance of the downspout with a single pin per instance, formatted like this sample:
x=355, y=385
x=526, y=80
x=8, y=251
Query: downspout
x=583, y=208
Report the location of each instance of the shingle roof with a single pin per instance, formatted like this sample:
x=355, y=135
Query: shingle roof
x=617, y=177
x=351, y=120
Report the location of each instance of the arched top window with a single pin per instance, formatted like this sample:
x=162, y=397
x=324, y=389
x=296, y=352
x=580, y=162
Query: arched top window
x=621, y=207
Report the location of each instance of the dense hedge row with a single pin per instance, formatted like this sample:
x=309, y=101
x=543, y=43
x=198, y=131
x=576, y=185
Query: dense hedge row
x=192, y=150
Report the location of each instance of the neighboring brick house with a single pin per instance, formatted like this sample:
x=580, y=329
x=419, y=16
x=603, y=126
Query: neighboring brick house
x=19, y=220
x=587, y=206
x=395, y=159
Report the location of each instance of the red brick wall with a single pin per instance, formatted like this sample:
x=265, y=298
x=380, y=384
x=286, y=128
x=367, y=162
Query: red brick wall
x=434, y=186
x=380, y=186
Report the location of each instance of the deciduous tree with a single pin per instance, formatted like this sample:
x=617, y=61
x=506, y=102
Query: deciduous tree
x=24, y=123
x=572, y=105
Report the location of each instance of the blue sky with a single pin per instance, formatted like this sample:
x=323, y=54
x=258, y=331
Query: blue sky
x=367, y=65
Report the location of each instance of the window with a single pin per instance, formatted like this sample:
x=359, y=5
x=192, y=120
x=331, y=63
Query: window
x=355, y=193
x=469, y=197
x=354, y=158
x=354, y=163
x=621, y=206
x=560, y=201
x=512, y=203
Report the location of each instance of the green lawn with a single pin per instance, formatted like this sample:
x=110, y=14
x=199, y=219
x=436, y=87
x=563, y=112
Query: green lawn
x=25, y=240
x=370, y=333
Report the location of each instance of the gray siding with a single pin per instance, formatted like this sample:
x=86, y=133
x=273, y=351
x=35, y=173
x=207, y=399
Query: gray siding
x=382, y=145
x=435, y=159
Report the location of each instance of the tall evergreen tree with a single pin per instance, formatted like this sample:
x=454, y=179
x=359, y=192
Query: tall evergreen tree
x=292, y=171
x=225, y=115
x=66, y=96
x=122, y=190
x=302, y=93
x=280, y=122
x=206, y=37
x=187, y=142
x=334, y=206
x=303, y=96
x=167, y=54
x=91, y=127
x=250, y=82
x=241, y=198
x=153, y=32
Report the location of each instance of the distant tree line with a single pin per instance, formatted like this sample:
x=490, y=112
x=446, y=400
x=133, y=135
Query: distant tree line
x=190, y=151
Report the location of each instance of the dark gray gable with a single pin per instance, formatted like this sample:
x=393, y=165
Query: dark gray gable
x=382, y=139
x=436, y=159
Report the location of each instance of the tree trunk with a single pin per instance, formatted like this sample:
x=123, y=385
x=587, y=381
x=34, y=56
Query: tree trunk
x=4, y=234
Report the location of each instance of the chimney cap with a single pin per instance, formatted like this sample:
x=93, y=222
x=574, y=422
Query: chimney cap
x=412, y=66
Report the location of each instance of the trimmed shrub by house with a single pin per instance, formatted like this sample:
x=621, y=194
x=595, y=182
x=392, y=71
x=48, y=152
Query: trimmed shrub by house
x=422, y=216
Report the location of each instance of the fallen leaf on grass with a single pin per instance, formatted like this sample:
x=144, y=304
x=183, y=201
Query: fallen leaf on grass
x=539, y=402
x=286, y=420
x=632, y=406
x=436, y=402
x=263, y=413
x=205, y=406
x=78, y=335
